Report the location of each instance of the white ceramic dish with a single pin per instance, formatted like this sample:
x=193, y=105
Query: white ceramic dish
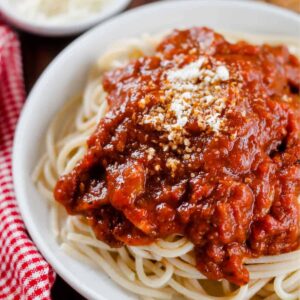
x=53, y=29
x=65, y=76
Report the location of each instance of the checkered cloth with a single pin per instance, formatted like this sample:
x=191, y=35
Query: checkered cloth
x=24, y=274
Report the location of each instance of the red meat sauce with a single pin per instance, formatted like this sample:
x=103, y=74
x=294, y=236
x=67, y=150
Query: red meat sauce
x=231, y=190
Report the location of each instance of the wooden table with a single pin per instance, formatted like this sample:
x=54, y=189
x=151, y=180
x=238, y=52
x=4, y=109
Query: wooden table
x=38, y=52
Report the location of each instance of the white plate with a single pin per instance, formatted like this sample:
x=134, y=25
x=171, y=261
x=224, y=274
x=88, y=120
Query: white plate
x=66, y=76
x=53, y=29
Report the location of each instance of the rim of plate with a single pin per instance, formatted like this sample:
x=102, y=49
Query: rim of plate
x=45, y=28
x=19, y=183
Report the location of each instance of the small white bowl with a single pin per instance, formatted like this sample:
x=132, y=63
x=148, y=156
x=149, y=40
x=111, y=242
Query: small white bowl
x=66, y=76
x=45, y=28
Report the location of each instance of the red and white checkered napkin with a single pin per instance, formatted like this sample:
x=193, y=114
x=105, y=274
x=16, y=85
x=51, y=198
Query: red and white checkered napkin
x=24, y=274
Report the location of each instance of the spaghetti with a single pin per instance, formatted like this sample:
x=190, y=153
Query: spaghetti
x=165, y=269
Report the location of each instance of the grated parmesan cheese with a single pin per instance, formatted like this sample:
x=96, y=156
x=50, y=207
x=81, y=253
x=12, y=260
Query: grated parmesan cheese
x=185, y=82
x=58, y=11
x=172, y=164
x=192, y=91
x=222, y=73
x=187, y=73
x=151, y=152
x=182, y=110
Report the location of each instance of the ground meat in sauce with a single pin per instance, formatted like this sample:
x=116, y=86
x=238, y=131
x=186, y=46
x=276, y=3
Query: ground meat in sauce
x=202, y=139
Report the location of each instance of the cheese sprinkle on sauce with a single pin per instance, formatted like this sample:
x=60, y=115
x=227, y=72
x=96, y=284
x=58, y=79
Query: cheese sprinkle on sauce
x=190, y=92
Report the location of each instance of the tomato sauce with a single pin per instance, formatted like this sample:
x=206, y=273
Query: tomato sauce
x=202, y=139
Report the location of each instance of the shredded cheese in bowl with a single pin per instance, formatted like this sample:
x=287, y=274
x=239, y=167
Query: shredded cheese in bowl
x=58, y=11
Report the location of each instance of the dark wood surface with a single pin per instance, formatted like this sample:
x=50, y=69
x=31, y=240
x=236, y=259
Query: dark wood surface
x=37, y=53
